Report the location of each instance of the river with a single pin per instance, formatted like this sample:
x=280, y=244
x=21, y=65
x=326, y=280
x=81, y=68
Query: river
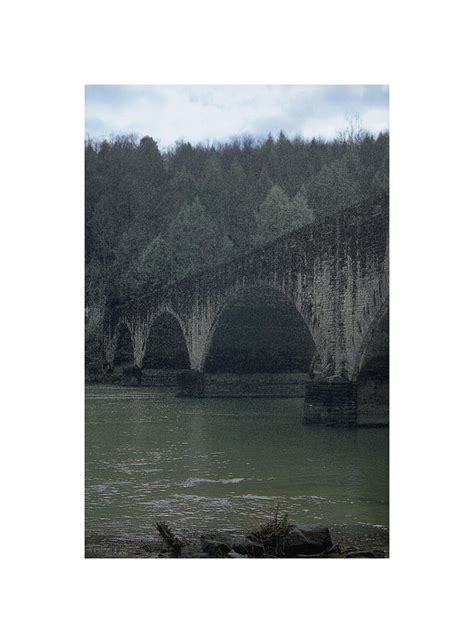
x=204, y=464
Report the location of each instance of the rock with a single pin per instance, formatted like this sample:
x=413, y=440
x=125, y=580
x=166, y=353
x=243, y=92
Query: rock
x=234, y=554
x=317, y=534
x=215, y=548
x=215, y=545
x=248, y=547
x=306, y=541
x=298, y=540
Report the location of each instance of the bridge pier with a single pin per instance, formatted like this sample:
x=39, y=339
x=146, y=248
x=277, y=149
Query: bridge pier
x=330, y=404
x=191, y=384
x=132, y=376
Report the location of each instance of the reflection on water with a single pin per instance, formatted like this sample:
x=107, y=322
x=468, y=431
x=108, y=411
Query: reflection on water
x=221, y=463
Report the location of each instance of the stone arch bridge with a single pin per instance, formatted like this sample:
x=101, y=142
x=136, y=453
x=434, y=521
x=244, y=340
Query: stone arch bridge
x=332, y=273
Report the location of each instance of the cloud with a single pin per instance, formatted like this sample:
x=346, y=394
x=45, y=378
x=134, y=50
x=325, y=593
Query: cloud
x=201, y=113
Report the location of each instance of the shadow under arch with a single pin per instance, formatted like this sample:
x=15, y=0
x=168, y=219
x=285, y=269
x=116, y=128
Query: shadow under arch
x=258, y=329
x=376, y=339
x=124, y=349
x=166, y=345
x=372, y=373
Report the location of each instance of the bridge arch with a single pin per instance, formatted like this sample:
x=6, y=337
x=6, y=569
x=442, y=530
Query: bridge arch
x=372, y=372
x=166, y=345
x=375, y=343
x=259, y=328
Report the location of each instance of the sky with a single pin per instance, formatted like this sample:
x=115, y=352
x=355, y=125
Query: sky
x=211, y=113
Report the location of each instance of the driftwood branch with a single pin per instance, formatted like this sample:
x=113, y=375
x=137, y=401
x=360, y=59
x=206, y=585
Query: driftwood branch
x=170, y=539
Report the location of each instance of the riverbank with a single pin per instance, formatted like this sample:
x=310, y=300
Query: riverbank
x=306, y=541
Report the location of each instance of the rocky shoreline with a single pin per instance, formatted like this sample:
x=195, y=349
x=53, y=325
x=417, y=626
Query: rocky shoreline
x=272, y=540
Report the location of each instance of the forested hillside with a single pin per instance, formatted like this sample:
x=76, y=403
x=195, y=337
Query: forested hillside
x=153, y=216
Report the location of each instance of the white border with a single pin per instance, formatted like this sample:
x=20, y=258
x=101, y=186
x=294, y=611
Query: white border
x=421, y=50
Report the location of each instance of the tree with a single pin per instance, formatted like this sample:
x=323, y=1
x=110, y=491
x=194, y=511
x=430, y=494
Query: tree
x=193, y=238
x=302, y=214
x=212, y=190
x=156, y=264
x=380, y=171
x=279, y=214
x=239, y=219
x=263, y=183
x=335, y=187
x=149, y=187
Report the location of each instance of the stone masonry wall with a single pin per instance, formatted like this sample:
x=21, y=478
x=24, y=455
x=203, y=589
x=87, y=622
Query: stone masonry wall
x=335, y=271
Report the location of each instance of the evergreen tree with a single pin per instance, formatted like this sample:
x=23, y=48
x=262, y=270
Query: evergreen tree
x=335, y=187
x=212, y=190
x=302, y=214
x=156, y=264
x=239, y=219
x=149, y=187
x=279, y=214
x=193, y=238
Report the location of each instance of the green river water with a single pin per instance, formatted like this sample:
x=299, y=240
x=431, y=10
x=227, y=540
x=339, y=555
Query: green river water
x=204, y=464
